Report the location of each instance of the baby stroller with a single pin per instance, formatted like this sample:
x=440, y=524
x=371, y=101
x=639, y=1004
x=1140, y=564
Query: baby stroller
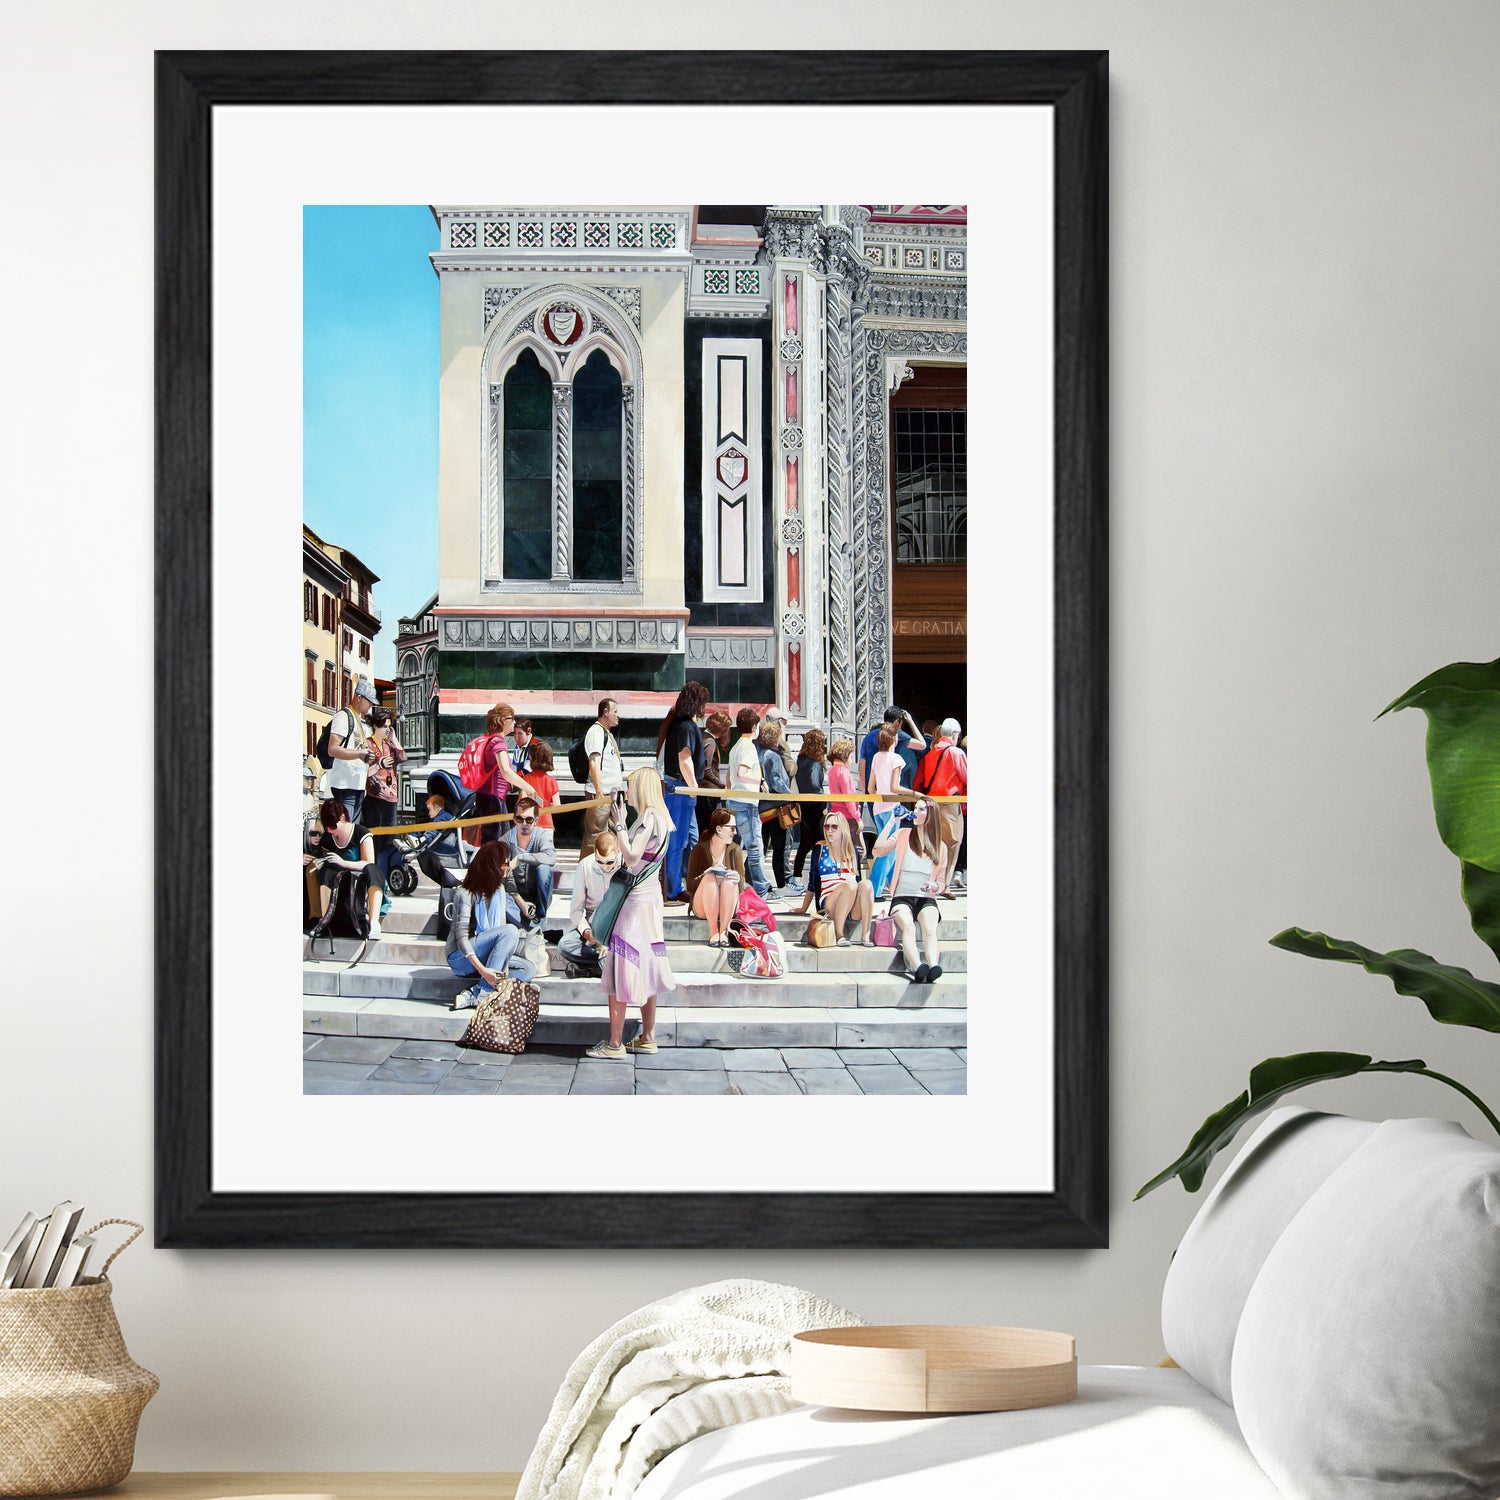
x=451, y=849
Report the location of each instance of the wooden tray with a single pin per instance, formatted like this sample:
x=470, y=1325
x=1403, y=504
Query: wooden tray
x=943, y=1367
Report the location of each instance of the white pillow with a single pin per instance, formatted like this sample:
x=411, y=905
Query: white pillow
x=1288, y=1158
x=1368, y=1357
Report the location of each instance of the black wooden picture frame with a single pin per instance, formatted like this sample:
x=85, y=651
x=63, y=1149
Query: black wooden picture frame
x=189, y=1212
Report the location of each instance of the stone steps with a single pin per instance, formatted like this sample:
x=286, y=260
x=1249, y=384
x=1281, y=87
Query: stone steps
x=676, y=1026
x=416, y=916
x=829, y=997
x=431, y=984
x=686, y=957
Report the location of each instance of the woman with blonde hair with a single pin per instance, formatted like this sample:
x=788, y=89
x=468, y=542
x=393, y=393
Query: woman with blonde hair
x=635, y=969
x=917, y=850
x=836, y=880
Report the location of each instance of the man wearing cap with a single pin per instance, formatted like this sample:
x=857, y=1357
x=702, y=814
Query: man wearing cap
x=350, y=750
x=945, y=773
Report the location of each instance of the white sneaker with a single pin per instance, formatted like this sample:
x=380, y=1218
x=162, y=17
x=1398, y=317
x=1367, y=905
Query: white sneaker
x=465, y=999
x=375, y=930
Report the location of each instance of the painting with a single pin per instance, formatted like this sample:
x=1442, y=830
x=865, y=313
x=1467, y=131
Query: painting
x=641, y=674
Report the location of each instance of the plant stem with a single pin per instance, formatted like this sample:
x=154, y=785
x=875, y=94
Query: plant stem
x=1452, y=1083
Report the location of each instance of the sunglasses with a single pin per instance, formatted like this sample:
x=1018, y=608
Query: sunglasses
x=525, y=820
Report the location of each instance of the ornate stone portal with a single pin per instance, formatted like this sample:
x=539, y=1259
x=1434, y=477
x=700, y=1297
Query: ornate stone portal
x=843, y=312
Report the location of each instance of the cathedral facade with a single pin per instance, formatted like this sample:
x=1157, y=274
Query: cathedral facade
x=723, y=443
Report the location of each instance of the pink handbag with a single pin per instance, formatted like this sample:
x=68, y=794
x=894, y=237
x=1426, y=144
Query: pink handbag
x=883, y=932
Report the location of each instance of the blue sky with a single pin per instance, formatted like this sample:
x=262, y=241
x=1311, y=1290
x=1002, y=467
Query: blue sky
x=370, y=398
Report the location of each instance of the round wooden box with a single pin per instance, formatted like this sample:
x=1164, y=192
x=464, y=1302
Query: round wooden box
x=934, y=1368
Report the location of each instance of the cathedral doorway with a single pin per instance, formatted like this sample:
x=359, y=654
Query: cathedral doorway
x=929, y=490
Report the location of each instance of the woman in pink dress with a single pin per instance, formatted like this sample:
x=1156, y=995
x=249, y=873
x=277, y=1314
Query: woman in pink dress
x=635, y=966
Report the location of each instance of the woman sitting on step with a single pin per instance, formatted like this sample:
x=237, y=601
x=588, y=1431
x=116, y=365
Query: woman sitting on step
x=836, y=880
x=490, y=951
x=917, y=850
x=343, y=850
x=716, y=876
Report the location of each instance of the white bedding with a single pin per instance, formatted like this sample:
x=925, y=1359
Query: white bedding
x=1132, y=1434
x=710, y=1356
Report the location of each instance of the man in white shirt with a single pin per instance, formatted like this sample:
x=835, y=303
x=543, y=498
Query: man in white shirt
x=350, y=752
x=578, y=945
x=744, y=774
x=606, y=770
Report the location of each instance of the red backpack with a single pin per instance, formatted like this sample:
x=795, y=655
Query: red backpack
x=472, y=770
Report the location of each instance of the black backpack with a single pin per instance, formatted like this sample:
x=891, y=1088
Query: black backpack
x=447, y=905
x=578, y=757
x=321, y=750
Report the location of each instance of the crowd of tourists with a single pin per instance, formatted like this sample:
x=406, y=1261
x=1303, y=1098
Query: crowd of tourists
x=703, y=851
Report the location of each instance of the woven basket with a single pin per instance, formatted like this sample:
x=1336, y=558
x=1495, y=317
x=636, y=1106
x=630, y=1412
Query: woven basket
x=70, y=1394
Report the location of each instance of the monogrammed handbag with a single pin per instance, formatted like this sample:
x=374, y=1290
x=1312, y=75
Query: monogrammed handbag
x=503, y=1022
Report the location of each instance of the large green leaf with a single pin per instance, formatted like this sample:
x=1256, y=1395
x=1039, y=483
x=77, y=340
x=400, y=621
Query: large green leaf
x=1451, y=995
x=1269, y=1082
x=1481, y=890
x=1462, y=704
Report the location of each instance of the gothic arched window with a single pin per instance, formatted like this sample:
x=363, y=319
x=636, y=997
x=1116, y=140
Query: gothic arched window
x=598, y=424
x=563, y=475
x=528, y=469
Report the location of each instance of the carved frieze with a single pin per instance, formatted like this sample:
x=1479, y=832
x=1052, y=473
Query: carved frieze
x=552, y=632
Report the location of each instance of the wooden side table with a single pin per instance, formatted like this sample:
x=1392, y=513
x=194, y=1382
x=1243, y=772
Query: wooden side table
x=426, y=1486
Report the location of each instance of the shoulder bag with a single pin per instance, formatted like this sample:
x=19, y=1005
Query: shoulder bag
x=621, y=884
x=504, y=1021
x=821, y=933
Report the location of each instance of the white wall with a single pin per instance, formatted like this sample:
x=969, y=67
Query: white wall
x=1305, y=442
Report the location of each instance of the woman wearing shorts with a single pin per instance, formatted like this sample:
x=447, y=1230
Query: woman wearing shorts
x=836, y=880
x=716, y=876
x=915, y=848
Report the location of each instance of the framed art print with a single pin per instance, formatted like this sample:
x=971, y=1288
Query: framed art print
x=610, y=416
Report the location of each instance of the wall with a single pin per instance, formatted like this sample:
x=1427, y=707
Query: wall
x=1305, y=443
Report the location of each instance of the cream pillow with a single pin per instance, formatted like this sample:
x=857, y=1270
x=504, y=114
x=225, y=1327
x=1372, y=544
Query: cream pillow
x=1367, y=1362
x=1288, y=1158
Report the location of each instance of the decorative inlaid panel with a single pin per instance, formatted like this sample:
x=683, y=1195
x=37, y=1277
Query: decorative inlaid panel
x=463, y=235
x=732, y=502
x=716, y=281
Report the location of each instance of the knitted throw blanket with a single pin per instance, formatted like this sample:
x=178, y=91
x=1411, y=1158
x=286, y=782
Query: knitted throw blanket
x=691, y=1363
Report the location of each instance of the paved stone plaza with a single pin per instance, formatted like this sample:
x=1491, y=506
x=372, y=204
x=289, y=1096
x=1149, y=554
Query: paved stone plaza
x=381, y=1065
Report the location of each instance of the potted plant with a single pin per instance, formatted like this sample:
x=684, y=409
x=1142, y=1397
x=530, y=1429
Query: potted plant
x=1462, y=704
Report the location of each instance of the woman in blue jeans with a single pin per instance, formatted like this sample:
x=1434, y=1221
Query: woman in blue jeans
x=679, y=747
x=489, y=951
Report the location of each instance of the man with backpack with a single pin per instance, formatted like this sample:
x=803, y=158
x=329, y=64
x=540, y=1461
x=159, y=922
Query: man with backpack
x=597, y=755
x=349, y=751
